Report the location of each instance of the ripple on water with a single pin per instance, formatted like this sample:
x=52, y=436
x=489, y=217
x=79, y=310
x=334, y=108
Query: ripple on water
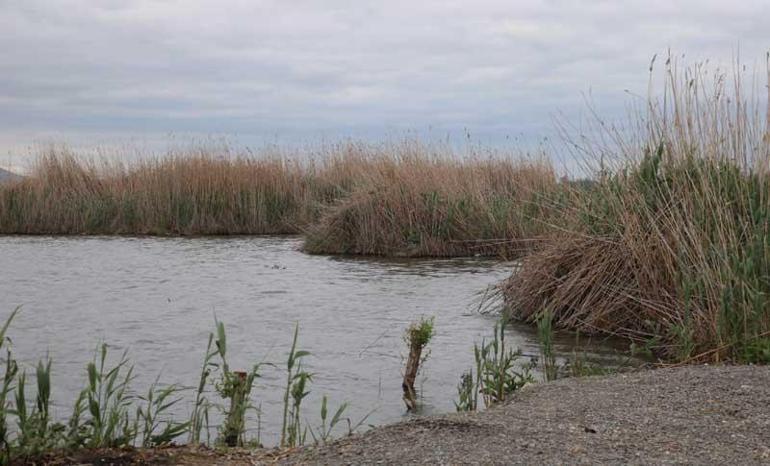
x=158, y=297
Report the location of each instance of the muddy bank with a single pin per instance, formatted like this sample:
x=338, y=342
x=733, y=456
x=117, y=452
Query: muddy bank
x=697, y=414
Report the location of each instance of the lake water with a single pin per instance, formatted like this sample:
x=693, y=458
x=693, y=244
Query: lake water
x=158, y=297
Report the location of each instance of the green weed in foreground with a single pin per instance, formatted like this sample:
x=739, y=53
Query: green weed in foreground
x=108, y=402
x=547, y=355
x=9, y=376
x=156, y=428
x=296, y=381
x=199, y=418
x=324, y=432
x=498, y=373
x=235, y=387
x=107, y=413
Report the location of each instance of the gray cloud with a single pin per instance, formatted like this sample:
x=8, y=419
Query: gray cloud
x=299, y=69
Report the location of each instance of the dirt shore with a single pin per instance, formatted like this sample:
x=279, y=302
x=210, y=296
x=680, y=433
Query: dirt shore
x=686, y=415
x=692, y=415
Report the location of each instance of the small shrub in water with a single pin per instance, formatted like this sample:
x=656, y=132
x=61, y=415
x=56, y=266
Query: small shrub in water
x=417, y=337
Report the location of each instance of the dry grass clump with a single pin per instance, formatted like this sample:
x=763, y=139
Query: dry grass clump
x=415, y=205
x=670, y=249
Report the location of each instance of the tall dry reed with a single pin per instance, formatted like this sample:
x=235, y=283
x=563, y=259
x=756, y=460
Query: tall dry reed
x=403, y=198
x=435, y=205
x=670, y=245
x=188, y=195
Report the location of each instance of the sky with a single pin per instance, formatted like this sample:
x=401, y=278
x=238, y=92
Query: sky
x=88, y=72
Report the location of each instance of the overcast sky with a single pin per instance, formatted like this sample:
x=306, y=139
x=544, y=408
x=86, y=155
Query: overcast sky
x=103, y=71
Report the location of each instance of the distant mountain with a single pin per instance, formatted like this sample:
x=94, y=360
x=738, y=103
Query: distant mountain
x=5, y=175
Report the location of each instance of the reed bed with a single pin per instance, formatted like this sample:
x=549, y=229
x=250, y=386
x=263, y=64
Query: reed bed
x=395, y=199
x=670, y=246
x=417, y=205
x=190, y=194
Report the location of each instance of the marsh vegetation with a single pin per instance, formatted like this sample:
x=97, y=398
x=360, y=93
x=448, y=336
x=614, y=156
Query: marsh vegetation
x=669, y=246
x=110, y=413
x=397, y=199
x=663, y=241
x=666, y=243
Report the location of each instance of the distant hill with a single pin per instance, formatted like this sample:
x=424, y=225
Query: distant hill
x=5, y=175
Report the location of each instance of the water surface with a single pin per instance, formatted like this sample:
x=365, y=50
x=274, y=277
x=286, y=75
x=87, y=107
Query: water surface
x=158, y=298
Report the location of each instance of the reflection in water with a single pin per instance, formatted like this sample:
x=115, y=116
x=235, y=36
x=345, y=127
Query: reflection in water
x=157, y=297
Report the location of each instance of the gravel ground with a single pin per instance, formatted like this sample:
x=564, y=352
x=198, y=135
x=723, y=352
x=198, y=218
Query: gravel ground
x=686, y=415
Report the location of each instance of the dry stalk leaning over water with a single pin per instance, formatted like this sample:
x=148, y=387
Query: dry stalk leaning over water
x=670, y=245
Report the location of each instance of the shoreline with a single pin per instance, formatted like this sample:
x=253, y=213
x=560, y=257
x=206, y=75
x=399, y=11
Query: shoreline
x=689, y=414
